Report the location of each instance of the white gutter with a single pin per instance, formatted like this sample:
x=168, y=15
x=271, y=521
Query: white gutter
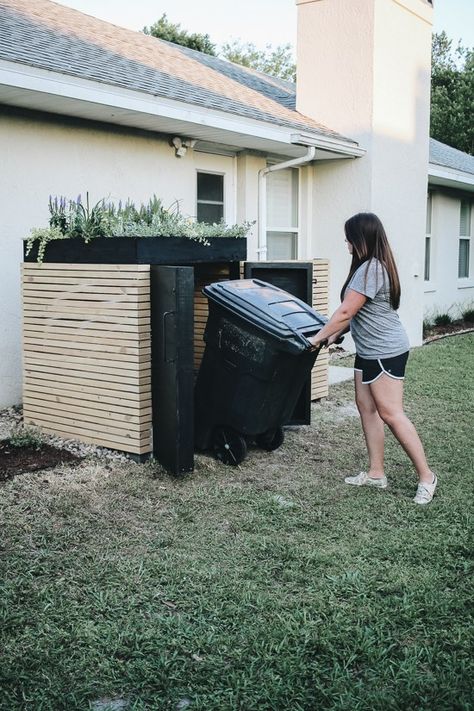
x=262, y=196
x=450, y=177
x=46, y=90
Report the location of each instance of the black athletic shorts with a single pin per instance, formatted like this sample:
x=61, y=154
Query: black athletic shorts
x=373, y=369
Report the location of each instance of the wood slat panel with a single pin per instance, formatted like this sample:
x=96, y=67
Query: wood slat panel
x=72, y=285
x=119, y=398
x=81, y=299
x=34, y=267
x=319, y=374
x=87, y=332
x=45, y=345
x=82, y=325
x=87, y=354
x=51, y=415
x=117, y=443
x=62, y=402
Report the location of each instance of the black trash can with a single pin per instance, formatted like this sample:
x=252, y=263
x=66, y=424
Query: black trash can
x=255, y=364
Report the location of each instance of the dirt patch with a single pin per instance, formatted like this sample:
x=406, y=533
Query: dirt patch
x=22, y=460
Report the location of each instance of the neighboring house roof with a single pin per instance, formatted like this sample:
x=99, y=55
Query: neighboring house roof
x=441, y=154
x=450, y=167
x=48, y=36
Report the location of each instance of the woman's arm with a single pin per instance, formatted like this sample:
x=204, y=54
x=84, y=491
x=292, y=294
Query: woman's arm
x=341, y=318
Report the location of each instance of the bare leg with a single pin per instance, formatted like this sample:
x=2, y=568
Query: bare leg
x=387, y=393
x=372, y=425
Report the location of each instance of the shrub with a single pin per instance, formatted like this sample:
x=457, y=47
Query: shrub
x=73, y=219
x=468, y=315
x=442, y=320
x=427, y=326
x=24, y=436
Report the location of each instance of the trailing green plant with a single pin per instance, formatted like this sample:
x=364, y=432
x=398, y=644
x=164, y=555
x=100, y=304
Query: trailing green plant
x=26, y=436
x=72, y=219
x=442, y=320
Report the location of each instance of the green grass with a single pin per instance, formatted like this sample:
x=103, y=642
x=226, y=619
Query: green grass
x=272, y=586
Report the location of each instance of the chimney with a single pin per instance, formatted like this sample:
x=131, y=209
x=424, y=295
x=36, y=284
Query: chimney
x=364, y=64
x=363, y=69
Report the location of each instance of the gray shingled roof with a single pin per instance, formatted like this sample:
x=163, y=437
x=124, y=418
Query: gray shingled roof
x=441, y=154
x=49, y=36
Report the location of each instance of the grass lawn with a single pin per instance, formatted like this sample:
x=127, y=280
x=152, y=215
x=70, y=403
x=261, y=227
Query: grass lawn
x=271, y=586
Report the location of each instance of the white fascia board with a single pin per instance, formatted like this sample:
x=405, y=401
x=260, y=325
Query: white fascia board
x=450, y=177
x=19, y=76
x=328, y=143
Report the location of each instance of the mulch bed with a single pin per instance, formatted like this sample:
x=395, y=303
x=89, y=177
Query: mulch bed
x=21, y=460
x=434, y=332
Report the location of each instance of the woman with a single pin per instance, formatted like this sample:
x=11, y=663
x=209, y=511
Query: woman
x=370, y=298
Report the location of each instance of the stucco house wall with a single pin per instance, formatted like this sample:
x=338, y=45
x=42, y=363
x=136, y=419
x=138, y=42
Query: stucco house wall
x=444, y=292
x=52, y=155
x=374, y=84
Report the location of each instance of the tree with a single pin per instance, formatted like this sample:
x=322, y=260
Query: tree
x=277, y=62
x=166, y=30
x=452, y=94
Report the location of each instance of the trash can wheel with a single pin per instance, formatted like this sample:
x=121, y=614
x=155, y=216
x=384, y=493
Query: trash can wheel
x=229, y=446
x=271, y=439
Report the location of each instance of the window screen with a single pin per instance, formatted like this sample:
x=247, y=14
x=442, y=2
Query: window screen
x=427, y=258
x=282, y=214
x=210, y=197
x=464, y=256
x=465, y=219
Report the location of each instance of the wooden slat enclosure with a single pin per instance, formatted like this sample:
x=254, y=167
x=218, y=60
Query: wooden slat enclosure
x=87, y=354
x=319, y=374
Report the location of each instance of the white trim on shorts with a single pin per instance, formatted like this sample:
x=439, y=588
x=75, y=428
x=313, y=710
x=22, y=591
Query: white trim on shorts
x=369, y=382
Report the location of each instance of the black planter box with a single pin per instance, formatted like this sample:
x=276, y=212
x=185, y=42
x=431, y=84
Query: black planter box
x=142, y=250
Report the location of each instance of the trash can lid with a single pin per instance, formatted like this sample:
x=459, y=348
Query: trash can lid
x=274, y=311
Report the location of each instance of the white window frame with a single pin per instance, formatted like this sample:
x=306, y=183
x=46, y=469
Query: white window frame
x=212, y=202
x=428, y=262
x=468, y=280
x=290, y=229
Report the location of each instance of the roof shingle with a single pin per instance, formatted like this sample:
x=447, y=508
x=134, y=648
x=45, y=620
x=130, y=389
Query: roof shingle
x=441, y=154
x=49, y=36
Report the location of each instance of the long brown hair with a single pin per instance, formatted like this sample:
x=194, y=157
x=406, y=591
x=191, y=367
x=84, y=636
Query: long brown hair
x=367, y=236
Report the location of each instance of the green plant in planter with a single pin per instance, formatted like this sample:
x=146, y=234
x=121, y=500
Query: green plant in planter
x=73, y=219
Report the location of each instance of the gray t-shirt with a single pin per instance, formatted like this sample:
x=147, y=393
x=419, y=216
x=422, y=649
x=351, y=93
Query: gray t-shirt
x=376, y=328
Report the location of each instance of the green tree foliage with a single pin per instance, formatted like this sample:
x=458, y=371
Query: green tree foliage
x=277, y=62
x=166, y=30
x=452, y=94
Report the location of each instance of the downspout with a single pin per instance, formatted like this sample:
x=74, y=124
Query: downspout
x=262, y=197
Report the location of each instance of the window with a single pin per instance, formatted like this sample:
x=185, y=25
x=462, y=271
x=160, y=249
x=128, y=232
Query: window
x=429, y=211
x=210, y=197
x=282, y=214
x=464, y=257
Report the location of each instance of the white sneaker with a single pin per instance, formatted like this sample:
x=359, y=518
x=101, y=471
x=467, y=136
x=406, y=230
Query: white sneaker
x=363, y=479
x=425, y=492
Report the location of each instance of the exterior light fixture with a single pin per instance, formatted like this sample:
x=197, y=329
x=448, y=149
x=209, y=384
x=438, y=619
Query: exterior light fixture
x=181, y=145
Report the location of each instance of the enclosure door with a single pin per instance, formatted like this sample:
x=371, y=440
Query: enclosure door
x=172, y=343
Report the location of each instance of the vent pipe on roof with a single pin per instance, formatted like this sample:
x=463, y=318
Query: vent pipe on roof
x=262, y=196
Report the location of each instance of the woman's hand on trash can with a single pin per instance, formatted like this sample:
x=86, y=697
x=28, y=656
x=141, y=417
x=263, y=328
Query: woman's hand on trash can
x=339, y=321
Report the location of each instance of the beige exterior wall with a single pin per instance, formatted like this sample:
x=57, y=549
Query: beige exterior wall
x=42, y=156
x=444, y=292
x=364, y=70
x=248, y=166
